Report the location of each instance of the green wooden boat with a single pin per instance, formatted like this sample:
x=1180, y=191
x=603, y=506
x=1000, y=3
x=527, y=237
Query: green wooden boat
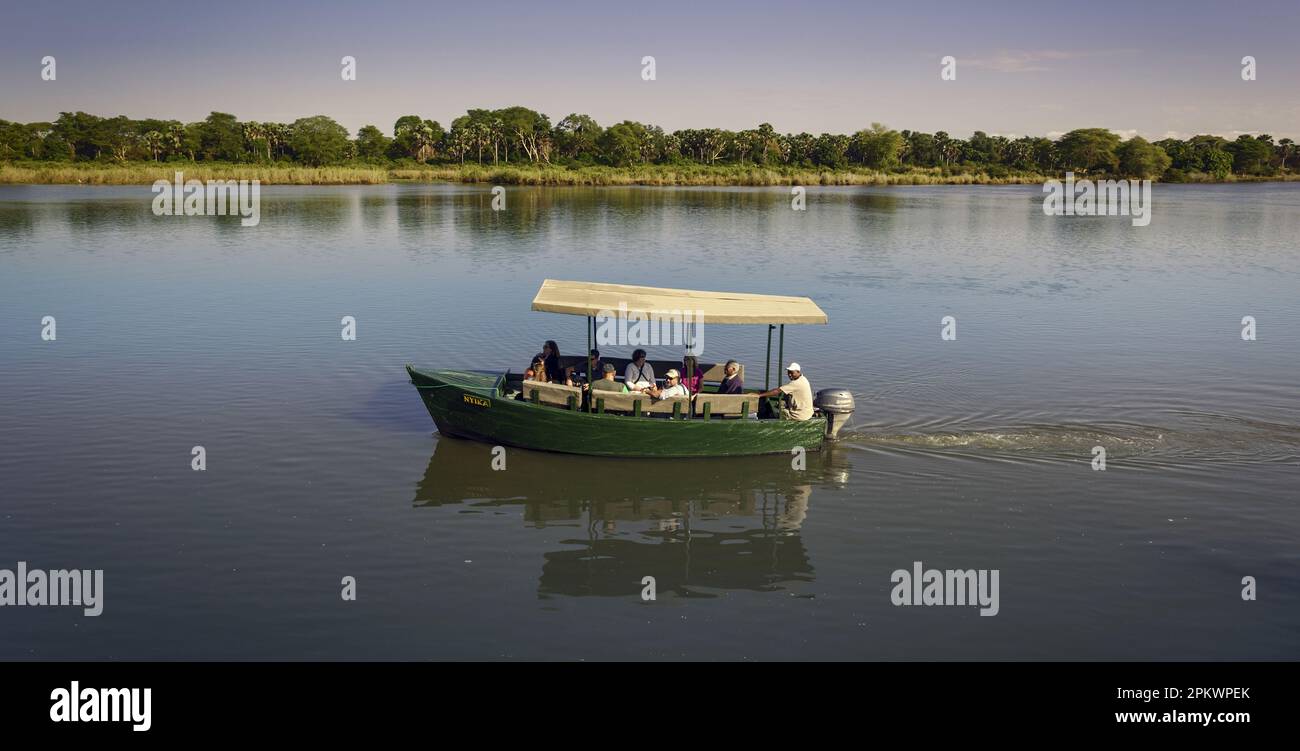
x=503, y=409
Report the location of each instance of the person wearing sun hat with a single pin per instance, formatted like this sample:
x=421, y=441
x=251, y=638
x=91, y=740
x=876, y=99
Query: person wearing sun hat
x=796, y=394
x=672, y=386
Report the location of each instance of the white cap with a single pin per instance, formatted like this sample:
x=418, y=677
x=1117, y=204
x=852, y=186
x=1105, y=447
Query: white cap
x=672, y=373
x=794, y=366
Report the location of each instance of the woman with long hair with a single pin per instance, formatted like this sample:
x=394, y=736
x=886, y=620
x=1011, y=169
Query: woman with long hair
x=551, y=356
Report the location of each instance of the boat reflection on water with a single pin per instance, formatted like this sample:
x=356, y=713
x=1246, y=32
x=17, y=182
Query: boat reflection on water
x=697, y=525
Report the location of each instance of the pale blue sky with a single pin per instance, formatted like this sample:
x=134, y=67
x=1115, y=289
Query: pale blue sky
x=1153, y=68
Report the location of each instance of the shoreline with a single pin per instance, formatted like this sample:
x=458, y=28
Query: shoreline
x=595, y=176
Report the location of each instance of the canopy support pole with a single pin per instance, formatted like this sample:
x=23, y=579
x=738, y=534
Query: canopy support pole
x=780, y=354
x=591, y=327
x=690, y=370
x=767, y=363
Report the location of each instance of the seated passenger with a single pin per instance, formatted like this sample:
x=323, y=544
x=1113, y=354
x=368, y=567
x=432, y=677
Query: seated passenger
x=672, y=387
x=692, y=378
x=537, y=369
x=731, y=382
x=797, y=396
x=551, y=356
x=607, y=382
x=639, y=374
x=597, y=366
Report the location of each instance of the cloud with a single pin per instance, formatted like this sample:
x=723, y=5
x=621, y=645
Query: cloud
x=1026, y=61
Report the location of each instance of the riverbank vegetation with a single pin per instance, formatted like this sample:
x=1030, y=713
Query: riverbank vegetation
x=517, y=145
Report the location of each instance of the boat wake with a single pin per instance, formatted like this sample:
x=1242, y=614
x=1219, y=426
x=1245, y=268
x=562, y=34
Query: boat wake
x=1197, y=440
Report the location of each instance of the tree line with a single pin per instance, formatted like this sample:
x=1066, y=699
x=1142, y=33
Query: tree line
x=515, y=135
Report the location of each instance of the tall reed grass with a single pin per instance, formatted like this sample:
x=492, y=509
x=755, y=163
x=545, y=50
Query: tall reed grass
x=137, y=173
x=696, y=175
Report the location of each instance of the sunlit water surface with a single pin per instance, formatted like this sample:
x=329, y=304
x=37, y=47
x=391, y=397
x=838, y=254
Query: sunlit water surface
x=174, y=332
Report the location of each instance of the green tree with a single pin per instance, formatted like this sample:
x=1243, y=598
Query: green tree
x=255, y=139
x=221, y=138
x=745, y=143
x=114, y=136
x=768, y=143
x=77, y=130
x=921, y=149
x=412, y=138
x=1183, y=157
x=526, y=130
x=459, y=142
x=831, y=150
x=1251, y=156
x=154, y=141
x=576, y=135
x=318, y=140
x=1210, y=155
x=877, y=148
x=1088, y=149
x=983, y=149
x=1138, y=158
x=800, y=148
x=372, y=144
x=620, y=145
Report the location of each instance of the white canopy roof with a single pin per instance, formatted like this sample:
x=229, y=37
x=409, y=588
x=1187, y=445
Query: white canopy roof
x=617, y=300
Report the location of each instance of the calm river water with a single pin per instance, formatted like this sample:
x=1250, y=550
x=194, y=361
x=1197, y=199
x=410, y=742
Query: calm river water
x=975, y=453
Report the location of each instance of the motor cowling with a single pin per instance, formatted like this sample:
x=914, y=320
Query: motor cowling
x=837, y=405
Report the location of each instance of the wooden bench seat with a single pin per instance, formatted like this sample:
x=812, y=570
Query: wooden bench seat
x=555, y=394
x=725, y=405
x=639, y=404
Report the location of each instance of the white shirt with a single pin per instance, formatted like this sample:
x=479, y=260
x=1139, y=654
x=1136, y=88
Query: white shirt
x=676, y=389
x=799, y=398
x=645, y=375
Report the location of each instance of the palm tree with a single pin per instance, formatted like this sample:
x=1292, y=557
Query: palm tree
x=175, y=137
x=458, y=142
x=744, y=143
x=496, y=132
x=277, y=135
x=480, y=135
x=766, y=139
x=154, y=141
x=254, y=132
x=423, y=139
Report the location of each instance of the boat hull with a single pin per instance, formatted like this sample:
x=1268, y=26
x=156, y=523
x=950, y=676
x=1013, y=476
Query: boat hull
x=470, y=405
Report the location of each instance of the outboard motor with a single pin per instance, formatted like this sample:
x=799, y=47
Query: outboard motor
x=837, y=405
